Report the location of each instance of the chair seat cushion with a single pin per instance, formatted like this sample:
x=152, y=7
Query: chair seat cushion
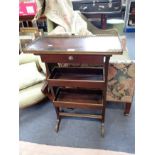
x=27, y=58
x=31, y=95
x=29, y=75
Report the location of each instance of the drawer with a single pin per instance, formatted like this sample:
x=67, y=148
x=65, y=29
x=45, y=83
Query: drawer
x=78, y=98
x=77, y=77
x=69, y=58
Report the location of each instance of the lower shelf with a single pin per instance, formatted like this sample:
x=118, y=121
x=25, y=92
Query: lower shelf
x=64, y=114
x=79, y=98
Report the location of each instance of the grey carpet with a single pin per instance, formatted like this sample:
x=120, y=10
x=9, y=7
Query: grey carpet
x=37, y=125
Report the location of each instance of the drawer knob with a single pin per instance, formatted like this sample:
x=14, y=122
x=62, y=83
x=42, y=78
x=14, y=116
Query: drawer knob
x=70, y=58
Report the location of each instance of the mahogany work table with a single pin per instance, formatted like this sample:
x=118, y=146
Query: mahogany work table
x=76, y=87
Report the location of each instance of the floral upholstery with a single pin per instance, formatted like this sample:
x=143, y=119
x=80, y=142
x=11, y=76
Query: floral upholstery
x=121, y=82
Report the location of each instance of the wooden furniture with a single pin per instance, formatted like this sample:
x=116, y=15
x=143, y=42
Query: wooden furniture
x=27, y=35
x=76, y=87
x=98, y=9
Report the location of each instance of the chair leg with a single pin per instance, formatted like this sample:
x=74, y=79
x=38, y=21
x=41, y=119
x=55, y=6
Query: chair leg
x=127, y=108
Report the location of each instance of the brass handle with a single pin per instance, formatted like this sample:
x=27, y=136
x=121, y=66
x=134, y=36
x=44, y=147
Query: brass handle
x=70, y=58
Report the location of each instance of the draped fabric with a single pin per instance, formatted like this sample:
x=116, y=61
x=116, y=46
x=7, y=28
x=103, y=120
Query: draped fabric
x=62, y=14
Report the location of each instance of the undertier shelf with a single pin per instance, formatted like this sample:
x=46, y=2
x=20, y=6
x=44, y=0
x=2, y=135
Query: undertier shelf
x=79, y=98
x=77, y=77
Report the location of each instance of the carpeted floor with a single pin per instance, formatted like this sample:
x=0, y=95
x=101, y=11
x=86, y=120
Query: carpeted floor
x=131, y=45
x=37, y=125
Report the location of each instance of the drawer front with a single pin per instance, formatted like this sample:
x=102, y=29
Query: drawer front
x=67, y=58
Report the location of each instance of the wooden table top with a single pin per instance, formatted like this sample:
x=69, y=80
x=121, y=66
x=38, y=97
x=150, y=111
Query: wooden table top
x=98, y=45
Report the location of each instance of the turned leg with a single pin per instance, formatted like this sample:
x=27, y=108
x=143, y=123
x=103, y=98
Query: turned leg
x=127, y=108
x=57, y=125
x=58, y=119
x=102, y=129
x=57, y=110
x=102, y=122
x=104, y=92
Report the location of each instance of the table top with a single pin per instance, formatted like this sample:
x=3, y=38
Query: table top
x=98, y=45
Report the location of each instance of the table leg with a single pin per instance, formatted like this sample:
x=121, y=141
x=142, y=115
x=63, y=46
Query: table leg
x=103, y=21
x=102, y=122
x=127, y=108
x=58, y=119
x=102, y=129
